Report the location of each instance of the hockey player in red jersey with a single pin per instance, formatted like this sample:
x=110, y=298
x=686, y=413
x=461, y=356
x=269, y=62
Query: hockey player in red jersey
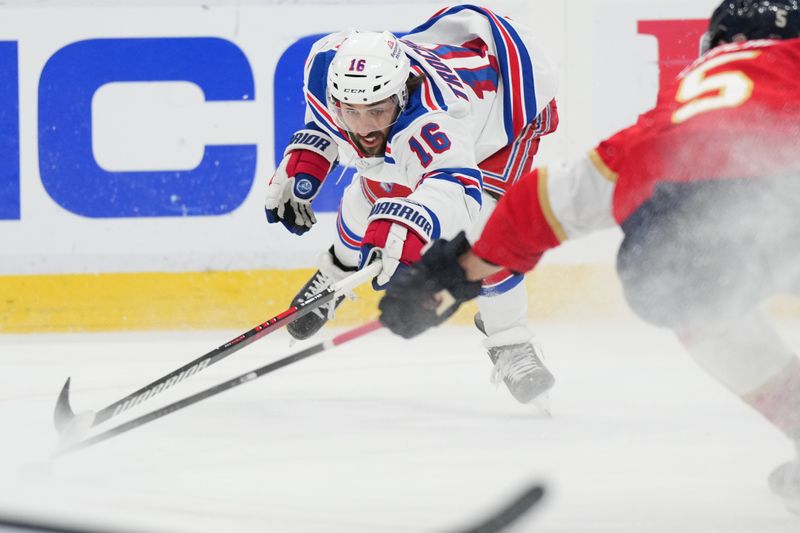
x=706, y=188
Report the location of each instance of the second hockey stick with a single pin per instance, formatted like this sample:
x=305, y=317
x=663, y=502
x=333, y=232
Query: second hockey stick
x=342, y=338
x=67, y=422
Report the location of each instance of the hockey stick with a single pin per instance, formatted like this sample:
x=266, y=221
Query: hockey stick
x=8, y=523
x=347, y=336
x=67, y=422
x=497, y=522
x=509, y=513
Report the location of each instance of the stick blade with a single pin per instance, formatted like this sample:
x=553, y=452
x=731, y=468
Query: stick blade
x=63, y=414
x=509, y=513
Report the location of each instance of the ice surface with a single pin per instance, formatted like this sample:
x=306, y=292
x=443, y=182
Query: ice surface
x=386, y=435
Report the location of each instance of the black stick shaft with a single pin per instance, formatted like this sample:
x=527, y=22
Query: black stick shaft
x=63, y=412
x=510, y=513
x=347, y=336
x=212, y=357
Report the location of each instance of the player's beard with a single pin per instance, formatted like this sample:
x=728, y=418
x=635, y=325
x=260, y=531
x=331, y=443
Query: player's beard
x=375, y=149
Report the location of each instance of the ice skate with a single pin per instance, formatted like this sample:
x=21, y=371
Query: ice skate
x=518, y=363
x=522, y=370
x=785, y=482
x=330, y=271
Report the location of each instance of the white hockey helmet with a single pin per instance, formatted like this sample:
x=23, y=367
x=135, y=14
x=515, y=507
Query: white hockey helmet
x=368, y=67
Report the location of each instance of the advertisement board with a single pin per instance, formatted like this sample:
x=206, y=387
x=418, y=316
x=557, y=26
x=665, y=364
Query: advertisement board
x=137, y=138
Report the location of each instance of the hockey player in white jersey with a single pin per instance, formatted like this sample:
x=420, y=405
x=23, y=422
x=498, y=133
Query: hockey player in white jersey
x=438, y=124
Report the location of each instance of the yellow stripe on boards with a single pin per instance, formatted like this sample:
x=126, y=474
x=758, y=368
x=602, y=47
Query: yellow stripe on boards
x=145, y=301
x=242, y=299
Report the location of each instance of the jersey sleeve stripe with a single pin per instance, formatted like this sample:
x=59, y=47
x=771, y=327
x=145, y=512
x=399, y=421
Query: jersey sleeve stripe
x=350, y=239
x=468, y=178
x=429, y=102
x=500, y=191
x=511, y=76
x=522, y=95
x=420, y=102
x=517, y=163
x=519, y=98
x=388, y=157
x=547, y=209
x=427, y=99
x=544, y=120
x=519, y=156
x=433, y=99
x=500, y=283
x=601, y=166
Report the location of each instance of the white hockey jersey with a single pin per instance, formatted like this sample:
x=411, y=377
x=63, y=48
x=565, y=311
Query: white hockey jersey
x=485, y=83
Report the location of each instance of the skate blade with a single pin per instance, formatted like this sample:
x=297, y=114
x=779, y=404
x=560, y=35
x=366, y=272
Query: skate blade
x=542, y=404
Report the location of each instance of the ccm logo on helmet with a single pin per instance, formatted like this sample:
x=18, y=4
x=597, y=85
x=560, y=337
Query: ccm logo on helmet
x=354, y=90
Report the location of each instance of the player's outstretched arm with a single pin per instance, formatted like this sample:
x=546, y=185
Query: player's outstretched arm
x=537, y=214
x=450, y=272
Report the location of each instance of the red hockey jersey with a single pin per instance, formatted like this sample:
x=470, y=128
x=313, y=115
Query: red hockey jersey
x=733, y=113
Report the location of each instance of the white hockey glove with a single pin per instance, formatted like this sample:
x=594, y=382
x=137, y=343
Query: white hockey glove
x=399, y=228
x=308, y=159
